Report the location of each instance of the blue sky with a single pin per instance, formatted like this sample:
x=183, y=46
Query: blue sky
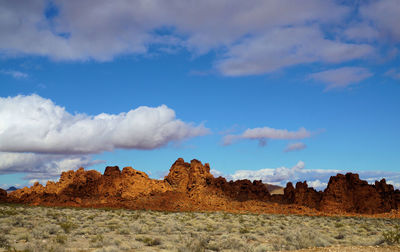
x=263, y=90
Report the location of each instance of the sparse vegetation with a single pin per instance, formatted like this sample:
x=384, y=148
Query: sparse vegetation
x=392, y=236
x=149, y=241
x=58, y=229
x=67, y=226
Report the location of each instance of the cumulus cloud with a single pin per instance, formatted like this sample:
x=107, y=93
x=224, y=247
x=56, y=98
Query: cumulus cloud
x=268, y=175
x=15, y=74
x=35, y=124
x=295, y=147
x=265, y=133
x=42, y=166
x=317, y=184
x=42, y=139
x=317, y=178
x=255, y=37
x=341, y=77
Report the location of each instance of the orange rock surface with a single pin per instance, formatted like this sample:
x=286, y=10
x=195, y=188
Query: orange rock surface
x=191, y=187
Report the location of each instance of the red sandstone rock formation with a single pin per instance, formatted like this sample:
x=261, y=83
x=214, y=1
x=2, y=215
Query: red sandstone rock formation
x=191, y=186
x=302, y=195
x=187, y=186
x=3, y=195
x=345, y=193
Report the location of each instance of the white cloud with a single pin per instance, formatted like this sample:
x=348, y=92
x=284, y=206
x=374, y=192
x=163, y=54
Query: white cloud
x=128, y=26
x=317, y=184
x=361, y=32
x=15, y=74
x=269, y=175
x=385, y=16
x=341, y=77
x=317, y=178
x=41, y=166
x=216, y=173
x=295, y=147
x=34, y=124
x=265, y=133
x=257, y=36
x=283, y=47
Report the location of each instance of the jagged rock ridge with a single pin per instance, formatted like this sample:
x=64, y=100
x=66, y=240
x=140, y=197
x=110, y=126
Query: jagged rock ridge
x=191, y=186
x=346, y=193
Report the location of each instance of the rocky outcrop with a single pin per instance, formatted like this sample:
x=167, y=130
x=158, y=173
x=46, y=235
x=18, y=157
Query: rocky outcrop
x=188, y=185
x=302, y=195
x=196, y=180
x=191, y=186
x=345, y=194
x=3, y=195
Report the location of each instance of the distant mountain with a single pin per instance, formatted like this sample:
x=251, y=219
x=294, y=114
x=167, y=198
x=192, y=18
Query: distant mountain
x=274, y=189
x=11, y=189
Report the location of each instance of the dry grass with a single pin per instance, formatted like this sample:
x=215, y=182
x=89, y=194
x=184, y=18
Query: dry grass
x=24, y=228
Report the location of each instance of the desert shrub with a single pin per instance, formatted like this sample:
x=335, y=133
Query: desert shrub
x=4, y=242
x=149, y=241
x=339, y=237
x=97, y=238
x=244, y=230
x=392, y=236
x=136, y=216
x=91, y=217
x=195, y=244
x=97, y=241
x=53, y=215
x=67, y=226
x=124, y=231
x=8, y=212
x=18, y=221
x=51, y=228
x=62, y=239
x=23, y=237
x=339, y=225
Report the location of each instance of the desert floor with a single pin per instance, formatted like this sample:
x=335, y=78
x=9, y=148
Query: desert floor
x=25, y=228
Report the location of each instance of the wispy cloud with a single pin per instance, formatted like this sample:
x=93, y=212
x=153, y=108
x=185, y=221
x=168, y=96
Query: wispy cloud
x=266, y=133
x=341, y=77
x=295, y=147
x=393, y=73
x=15, y=74
x=275, y=50
x=384, y=15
